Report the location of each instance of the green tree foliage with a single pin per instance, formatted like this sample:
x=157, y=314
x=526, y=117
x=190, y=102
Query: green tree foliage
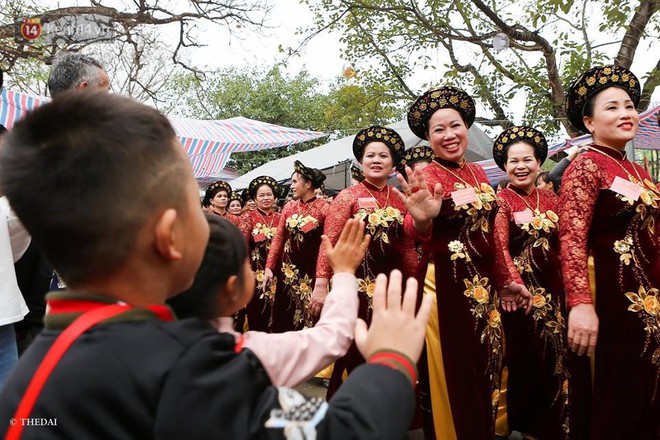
x=551, y=42
x=298, y=101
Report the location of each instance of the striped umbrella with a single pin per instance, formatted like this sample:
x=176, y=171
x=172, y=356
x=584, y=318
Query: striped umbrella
x=208, y=143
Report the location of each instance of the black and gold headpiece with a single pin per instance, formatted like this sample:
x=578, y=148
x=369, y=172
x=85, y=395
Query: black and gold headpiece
x=519, y=134
x=263, y=180
x=594, y=81
x=443, y=97
x=301, y=169
x=236, y=195
x=376, y=133
x=417, y=154
x=217, y=186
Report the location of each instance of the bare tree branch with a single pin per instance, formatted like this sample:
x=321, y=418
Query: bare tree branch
x=129, y=23
x=635, y=30
x=500, y=115
x=520, y=33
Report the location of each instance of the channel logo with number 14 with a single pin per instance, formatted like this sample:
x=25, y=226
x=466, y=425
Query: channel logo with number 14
x=31, y=28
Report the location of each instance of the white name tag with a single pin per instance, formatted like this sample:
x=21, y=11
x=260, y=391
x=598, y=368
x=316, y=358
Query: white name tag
x=522, y=217
x=367, y=202
x=464, y=196
x=626, y=188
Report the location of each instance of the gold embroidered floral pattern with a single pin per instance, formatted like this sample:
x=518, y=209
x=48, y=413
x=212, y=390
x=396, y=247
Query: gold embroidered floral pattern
x=367, y=286
x=494, y=318
x=267, y=231
x=546, y=313
x=458, y=250
x=378, y=221
x=479, y=209
x=624, y=248
x=269, y=293
x=262, y=235
x=485, y=306
x=541, y=302
x=542, y=221
x=304, y=287
x=646, y=302
x=290, y=273
x=302, y=292
x=479, y=291
x=649, y=194
x=522, y=264
x=298, y=225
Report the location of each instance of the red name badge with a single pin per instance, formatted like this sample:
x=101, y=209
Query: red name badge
x=626, y=188
x=464, y=196
x=259, y=238
x=367, y=202
x=522, y=217
x=308, y=227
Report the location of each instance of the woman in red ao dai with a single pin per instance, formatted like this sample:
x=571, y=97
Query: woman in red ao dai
x=451, y=210
x=259, y=227
x=609, y=212
x=293, y=253
x=526, y=228
x=216, y=200
x=378, y=149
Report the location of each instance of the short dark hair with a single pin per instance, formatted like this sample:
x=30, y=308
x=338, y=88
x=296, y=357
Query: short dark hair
x=547, y=178
x=225, y=255
x=588, y=109
x=70, y=69
x=85, y=172
x=534, y=149
x=317, y=177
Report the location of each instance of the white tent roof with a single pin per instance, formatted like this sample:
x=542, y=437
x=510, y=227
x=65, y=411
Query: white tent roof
x=334, y=158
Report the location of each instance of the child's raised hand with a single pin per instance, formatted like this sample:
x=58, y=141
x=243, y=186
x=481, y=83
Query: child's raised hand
x=349, y=251
x=394, y=325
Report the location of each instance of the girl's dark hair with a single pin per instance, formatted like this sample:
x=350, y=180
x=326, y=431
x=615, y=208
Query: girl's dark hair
x=225, y=256
x=545, y=176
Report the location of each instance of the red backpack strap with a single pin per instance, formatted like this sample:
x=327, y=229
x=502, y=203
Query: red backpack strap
x=52, y=358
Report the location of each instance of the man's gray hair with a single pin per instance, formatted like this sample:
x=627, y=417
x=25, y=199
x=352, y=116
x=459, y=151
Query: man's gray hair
x=70, y=70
